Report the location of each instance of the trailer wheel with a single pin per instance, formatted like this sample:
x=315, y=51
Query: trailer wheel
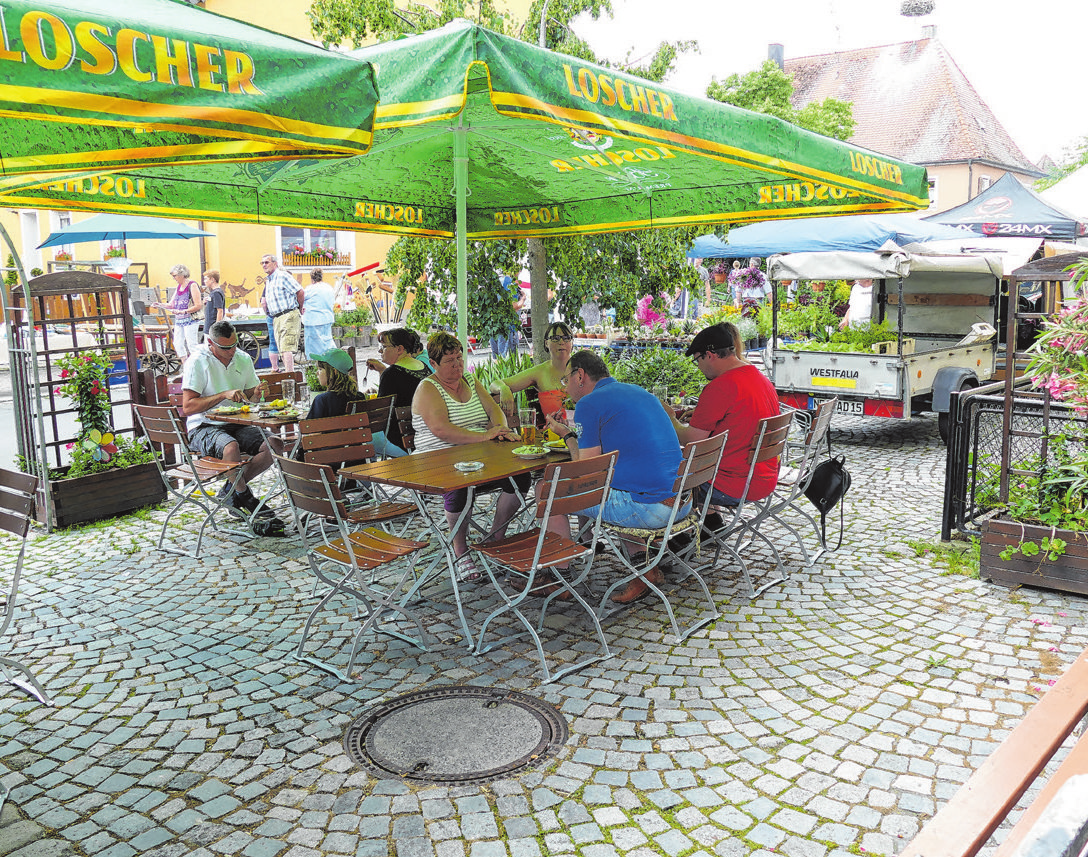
x=248, y=343
x=944, y=418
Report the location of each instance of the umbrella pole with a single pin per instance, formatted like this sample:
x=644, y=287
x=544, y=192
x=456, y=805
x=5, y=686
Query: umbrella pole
x=460, y=189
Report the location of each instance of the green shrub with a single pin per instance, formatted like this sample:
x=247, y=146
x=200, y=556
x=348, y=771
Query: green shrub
x=659, y=366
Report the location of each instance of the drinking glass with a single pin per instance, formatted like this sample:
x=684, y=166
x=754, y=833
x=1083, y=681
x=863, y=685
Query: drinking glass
x=661, y=392
x=288, y=389
x=527, y=420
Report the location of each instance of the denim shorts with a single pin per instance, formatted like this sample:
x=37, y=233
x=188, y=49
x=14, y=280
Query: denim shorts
x=623, y=510
x=210, y=439
x=719, y=498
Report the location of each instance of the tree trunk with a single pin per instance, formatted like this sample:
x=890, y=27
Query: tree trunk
x=538, y=279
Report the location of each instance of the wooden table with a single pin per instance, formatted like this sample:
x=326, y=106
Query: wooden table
x=433, y=473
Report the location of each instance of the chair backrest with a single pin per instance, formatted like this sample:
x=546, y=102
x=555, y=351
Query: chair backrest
x=700, y=462
x=311, y=488
x=162, y=425
x=379, y=411
x=403, y=416
x=274, y=381
x=571, y=486
x=821, y=422
x=336, y=441
x=769, y=439
x=17, y=492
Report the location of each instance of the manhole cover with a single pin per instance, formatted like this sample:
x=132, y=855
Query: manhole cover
x=456, y=735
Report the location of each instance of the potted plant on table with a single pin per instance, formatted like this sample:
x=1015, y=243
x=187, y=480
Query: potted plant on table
x=109, y=474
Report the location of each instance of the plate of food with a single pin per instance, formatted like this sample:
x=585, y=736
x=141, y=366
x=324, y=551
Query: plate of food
x=529, y=452
x=232, y=408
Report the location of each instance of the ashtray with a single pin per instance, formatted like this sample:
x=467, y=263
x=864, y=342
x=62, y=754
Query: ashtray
x=469, y=466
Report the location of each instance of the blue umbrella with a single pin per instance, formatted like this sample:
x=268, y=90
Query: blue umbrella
x=120, y=227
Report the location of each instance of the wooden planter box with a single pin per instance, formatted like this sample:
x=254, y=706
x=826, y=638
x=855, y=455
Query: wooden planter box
x=103, y=495
x=1068, y=573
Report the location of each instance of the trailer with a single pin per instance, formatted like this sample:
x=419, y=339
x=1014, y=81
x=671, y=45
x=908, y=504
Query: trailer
x=945, y=312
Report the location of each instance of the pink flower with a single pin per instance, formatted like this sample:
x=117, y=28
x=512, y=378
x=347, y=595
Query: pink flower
x=1052, y=682
x=1061, y=614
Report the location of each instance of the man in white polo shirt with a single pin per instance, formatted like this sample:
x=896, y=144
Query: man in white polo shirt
x=221, y=372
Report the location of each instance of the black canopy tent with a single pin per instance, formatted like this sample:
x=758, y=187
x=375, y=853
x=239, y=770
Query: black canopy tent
x=1008, y=208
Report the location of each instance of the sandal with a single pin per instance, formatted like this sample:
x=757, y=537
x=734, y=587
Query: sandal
x=467, y=572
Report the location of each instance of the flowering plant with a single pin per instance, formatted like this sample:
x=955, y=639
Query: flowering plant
x=746, y=279
x=647, y=315
x=115, y=253
x=326, y=253
x=62, y=256
x=1059, y=360
x=85, y=381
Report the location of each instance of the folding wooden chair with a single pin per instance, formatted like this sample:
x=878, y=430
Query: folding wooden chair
x=568, y=487
x=699, y=464
x=341, y=442
x=191, y=480
x=349, y=563
x=403, y=416
x=17, y=492
x=794, y=475
x=744, y=519
x=379, y=412
x=274, y=382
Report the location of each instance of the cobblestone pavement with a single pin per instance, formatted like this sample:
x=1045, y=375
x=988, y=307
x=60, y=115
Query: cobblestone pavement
x=829, y=717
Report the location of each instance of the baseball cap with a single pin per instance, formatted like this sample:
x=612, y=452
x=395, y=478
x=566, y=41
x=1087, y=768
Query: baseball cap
x=713, y=338
x=338, y=359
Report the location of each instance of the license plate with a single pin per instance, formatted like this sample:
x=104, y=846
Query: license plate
x=846, y=406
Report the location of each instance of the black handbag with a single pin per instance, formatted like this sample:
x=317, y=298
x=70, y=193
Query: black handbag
x=829, y=483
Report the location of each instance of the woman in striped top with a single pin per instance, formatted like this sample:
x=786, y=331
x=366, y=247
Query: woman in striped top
x=448, y=410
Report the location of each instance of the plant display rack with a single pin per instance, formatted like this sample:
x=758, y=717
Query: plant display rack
x=1067, y=572
x=50, y=317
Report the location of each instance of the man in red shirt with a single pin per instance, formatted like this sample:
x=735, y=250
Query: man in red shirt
x=737, y=398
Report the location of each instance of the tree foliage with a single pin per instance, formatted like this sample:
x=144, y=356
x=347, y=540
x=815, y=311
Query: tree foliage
x=619, y=268
x=428, y=269
x=1075, y=157
x=769, y=90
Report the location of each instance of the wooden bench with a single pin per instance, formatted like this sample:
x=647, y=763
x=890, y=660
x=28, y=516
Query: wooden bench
x=965, y=823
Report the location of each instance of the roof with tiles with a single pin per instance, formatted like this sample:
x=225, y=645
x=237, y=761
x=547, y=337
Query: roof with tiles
x=911, y=101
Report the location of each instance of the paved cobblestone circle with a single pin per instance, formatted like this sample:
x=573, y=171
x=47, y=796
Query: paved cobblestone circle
x=831, y=716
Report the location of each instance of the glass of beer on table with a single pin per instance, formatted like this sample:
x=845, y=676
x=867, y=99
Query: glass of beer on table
x=527, y=420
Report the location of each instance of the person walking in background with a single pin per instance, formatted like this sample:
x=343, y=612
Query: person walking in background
x=273, y=350
x=860, y=310
x=215, y=305
x=318, y=315
x=186, y=306
x=284, y=299
x=501, y=345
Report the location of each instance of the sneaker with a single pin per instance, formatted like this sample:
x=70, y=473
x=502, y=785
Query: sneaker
x=246, y=501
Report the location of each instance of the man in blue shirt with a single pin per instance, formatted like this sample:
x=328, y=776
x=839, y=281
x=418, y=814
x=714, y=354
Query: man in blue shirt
x=610, y=415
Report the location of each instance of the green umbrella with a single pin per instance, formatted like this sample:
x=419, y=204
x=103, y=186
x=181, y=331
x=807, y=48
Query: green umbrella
x=482, y=136
x=94, y=84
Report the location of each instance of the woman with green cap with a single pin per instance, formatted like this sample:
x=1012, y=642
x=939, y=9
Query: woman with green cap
x=336, y=373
